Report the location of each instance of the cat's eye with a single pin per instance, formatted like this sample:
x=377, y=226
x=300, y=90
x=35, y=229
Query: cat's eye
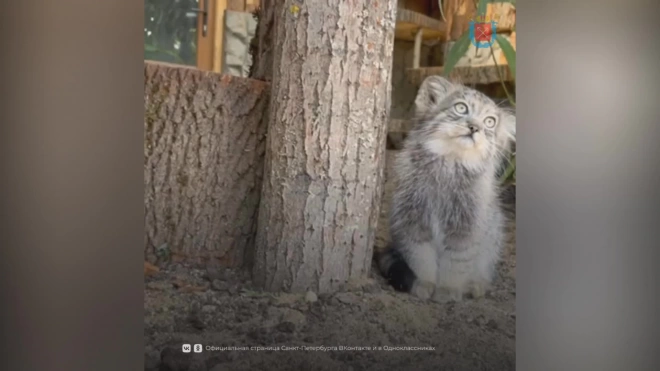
x=490, y=122
x=461, y=108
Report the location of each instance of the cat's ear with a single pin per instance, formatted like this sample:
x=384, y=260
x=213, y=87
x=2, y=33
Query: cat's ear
x=431, y=92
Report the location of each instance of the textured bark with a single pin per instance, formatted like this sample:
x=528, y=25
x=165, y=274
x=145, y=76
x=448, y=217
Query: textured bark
x=261, y=48
x=204, y=146
x=330, y=103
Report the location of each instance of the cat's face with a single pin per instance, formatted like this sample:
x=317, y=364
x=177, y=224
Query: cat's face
x=462, y=123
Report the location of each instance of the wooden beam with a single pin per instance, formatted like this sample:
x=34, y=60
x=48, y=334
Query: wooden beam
x=409, y=22
x=205, y=40
x=504, y=14
x=236, y=5
x=218, y=37
x=463, y=75
x=251, y=5
x=417, y=51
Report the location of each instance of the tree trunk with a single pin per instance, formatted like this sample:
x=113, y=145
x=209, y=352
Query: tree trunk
x=261, y=48
x=204, y=146
x=330, y=102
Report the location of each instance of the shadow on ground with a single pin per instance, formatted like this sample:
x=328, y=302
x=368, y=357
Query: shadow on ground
x=221, y=309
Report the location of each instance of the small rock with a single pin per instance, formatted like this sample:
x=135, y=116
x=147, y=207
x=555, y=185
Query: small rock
x=287, y=327
x=151, y=359
x=181, y=270
x=208, y=308
x=219, y=285
x=325, y=297
x=274, y=314
x=492, y=325
x=311, y=297
x=228, y=274
x=280, y=338
x=347, y=298
x=195, y=306
x=384, y=299
x=188, y=288
x=368, y=285
x=172, y=359
x=150, y=269
x=233, y=290
x=196, y=321
x=353, y=284
x=285, y=299
x=213, y=274
x=295, y=317
x=160, y=286
x=372, y=288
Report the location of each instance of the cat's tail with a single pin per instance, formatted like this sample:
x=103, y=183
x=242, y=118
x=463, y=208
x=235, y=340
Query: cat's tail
x=395, y=269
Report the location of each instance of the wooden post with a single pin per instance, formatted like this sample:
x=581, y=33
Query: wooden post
x=218, y=38
x=417, y=52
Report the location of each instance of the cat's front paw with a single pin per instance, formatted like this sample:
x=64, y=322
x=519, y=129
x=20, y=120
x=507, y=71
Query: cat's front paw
x=478, y=290
x=423, y=289
x=446, y=295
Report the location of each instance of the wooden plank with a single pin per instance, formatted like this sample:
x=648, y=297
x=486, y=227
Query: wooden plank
x=408, y=22
x=504, y=14
x=463, y=75
x=458, y=14
x=236, y=5
x=419, y=6
x=218, y=35
x=251, y=5
x=205, y=42
x=417, y=51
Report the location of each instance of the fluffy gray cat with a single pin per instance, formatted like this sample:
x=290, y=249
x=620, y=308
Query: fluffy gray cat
x=446, y=221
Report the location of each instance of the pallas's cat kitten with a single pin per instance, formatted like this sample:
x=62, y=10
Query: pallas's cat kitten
x=446, y=221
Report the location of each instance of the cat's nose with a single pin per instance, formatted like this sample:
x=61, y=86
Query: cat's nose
x=473, y=128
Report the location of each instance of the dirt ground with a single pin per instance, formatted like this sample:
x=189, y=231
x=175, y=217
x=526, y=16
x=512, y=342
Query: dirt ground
x=221, y=309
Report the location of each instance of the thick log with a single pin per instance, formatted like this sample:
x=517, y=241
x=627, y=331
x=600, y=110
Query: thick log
x=203, y=163
x=326, y=141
